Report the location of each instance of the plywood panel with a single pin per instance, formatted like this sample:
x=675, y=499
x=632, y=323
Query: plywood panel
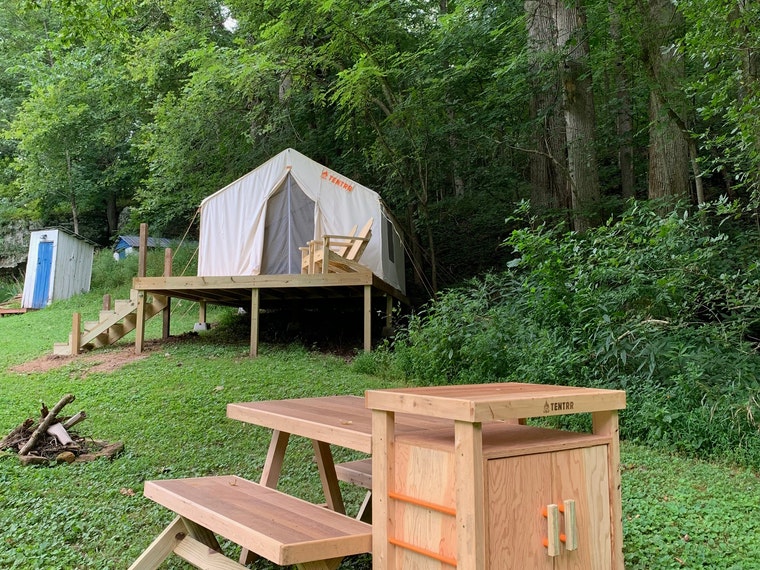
x=425, y=473
x=426, y=498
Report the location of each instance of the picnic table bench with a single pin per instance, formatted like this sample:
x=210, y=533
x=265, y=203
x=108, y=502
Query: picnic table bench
x=276, y=526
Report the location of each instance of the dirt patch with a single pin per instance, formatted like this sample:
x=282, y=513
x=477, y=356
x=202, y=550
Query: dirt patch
x=98, y=361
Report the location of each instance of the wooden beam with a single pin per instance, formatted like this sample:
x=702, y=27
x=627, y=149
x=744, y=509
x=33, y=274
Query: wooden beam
x=367, y=318
x=470, y=495
x=326, y=465
x=140, y=325
x=383, y=481
x=254, y=323
x=76, y=333
x=606, y=423
x=201, y=311
x=142, y=253
x=167, y=312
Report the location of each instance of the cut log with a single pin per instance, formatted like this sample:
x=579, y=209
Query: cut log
x=45, y=423
x=75, y=419
x=33, y=460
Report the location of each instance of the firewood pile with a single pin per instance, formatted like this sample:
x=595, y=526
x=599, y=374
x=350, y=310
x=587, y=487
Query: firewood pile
x=50, y=438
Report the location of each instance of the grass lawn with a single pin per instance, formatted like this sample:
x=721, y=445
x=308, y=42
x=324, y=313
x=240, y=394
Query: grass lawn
x=169, y=410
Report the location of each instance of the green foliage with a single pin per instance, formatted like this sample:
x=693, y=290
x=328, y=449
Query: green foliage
x=683, y=514
x=663, y=307
x=9, y=288
x=110, y=275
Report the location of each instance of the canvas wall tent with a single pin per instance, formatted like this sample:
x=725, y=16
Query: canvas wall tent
x=255, y=225
x=59, y=266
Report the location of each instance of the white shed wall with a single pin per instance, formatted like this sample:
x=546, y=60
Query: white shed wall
x=71, y=269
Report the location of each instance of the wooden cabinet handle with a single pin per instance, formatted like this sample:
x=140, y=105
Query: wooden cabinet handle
x=571, y=528
x=552, y=519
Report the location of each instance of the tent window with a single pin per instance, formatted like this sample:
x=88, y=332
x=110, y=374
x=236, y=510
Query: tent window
x=391, y=235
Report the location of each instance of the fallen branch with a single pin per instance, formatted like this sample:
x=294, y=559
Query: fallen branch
x=44, y=424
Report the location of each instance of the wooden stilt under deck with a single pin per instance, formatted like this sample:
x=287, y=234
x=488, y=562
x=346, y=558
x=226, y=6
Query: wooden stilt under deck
x=140, y=327
x=367, y=318
x=254, y=322
x=262, y=291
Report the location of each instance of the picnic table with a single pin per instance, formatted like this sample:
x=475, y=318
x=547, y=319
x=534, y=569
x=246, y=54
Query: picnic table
x=343, y=421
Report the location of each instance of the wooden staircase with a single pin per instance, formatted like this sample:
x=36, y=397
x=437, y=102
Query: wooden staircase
x=112, y=324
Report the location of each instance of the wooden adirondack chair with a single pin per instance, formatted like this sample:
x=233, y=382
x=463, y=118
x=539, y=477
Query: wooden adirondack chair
x=307, y=253
x=341, y=252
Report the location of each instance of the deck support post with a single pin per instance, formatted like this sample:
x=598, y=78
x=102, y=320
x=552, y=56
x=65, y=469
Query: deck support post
x=140, y=324
x=76, y=334
x=367, y=318
x=254, y=323
x=388, y=311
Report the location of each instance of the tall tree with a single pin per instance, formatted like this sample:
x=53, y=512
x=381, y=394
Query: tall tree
x=623, y=104
x=580, y=113
x=550, y=189
x=668, y=145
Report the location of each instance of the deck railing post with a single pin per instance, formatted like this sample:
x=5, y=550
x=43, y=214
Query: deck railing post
x=167, y=314
x=142, y=252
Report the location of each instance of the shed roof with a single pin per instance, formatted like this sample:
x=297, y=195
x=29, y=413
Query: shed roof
x=124, y=242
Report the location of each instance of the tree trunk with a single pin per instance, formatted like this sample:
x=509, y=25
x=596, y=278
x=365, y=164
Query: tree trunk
x=580, y=120
x=112, y=214
x=72, y=195
x=624, y=111
x=416, y=253
x=668, y=146
x=548, y=168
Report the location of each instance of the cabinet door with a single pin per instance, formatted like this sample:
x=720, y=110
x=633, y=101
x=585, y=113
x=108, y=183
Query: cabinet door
x=518, y=489
x=581, y=474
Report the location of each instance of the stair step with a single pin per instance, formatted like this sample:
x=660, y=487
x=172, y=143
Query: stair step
x=61, y=349
x=121, y=305
x=89, y=325
x=105, y=315
x=104, y=338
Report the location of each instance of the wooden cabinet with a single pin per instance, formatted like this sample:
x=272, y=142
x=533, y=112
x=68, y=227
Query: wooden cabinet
x=493, y=494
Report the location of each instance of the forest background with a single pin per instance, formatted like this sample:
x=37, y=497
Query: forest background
x=576, y=182
x=453, y=110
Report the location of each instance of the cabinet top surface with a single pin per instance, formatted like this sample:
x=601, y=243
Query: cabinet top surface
x=485, y=402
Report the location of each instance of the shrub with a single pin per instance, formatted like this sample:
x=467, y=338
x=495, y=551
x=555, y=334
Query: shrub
x=665, y=307
x=108, y=274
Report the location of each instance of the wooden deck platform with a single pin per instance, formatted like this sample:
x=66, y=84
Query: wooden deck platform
x=5, y=311
x=256, y=291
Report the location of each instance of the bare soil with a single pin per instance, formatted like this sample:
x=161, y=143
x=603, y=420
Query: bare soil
x=107, y=360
